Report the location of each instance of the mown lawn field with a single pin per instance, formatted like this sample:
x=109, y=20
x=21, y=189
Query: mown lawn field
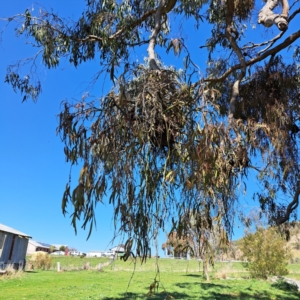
x=178, y=279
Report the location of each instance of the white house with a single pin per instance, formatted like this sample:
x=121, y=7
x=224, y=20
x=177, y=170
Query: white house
x=95, y=253
x=118, y=250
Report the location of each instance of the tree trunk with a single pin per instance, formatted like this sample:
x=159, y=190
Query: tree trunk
x=205, y=268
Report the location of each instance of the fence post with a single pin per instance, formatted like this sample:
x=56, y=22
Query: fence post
x=58, y=266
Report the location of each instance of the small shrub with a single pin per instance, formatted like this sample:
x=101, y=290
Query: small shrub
x=86, y=266
x=266, y=253
x=224, y=271
x=10, y=270
x=11, y=273
x=40, y=260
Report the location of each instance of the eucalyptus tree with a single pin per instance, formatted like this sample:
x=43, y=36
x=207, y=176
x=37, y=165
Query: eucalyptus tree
x=166, y=138
x=175, y=245
x=204, y=235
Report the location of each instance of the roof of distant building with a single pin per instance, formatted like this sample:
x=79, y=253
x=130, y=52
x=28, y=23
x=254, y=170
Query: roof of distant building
x=120, y=248
x=11, y=230
x=39, y=244
x=45, y=245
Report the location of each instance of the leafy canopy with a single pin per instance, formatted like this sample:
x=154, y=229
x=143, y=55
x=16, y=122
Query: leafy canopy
x=165, y=140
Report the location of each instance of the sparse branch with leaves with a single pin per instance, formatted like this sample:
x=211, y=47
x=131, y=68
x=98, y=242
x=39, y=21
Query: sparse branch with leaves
x=167, y=139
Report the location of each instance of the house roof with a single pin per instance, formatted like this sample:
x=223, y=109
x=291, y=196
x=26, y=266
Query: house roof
x=45, y=245
x=39, y=244
x=120, y=248
x=14, y=231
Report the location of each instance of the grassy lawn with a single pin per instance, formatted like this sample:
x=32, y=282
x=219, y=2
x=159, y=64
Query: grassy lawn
x=69, y=262
x=294, y=271
x=178, y=279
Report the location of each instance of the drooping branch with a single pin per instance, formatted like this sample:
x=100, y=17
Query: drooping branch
x=267, y=17
x=167, y=7
x=152, y=137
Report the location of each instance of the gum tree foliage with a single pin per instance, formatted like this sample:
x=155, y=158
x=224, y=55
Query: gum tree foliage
x=166, y=140
x=175, y=245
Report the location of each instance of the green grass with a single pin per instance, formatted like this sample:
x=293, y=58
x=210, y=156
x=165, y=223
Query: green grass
x=69, y=262
x=178, y=278
x=294, y=270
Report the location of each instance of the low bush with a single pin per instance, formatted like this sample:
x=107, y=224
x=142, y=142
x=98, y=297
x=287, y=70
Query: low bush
x=266, y=253
x=11, y=273
x=40, y=260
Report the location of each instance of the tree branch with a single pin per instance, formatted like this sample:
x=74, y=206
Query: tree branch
x=290, y=208
x=267, y=18
x=232, y=35
x=170, y=5
x=271, y=42
x=151, y=53
x=288, y=41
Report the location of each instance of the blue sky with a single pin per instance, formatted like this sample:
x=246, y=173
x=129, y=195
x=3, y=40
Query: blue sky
x=33, y=170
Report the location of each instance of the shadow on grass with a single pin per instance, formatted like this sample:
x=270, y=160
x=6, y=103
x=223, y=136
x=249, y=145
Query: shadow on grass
x=203, y=290
x=156, y=296
x=204, y=286
x=194, y=275
x=30, y=272
x=285, y=286
x=207, y=290
x=216, y=292
x=264, y=295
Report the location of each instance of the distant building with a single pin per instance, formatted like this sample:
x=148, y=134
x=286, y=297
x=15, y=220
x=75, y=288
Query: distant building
x=95, y=253
x=56, y=249
x=118, y=250
x=13, y=246
x=34, y=246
